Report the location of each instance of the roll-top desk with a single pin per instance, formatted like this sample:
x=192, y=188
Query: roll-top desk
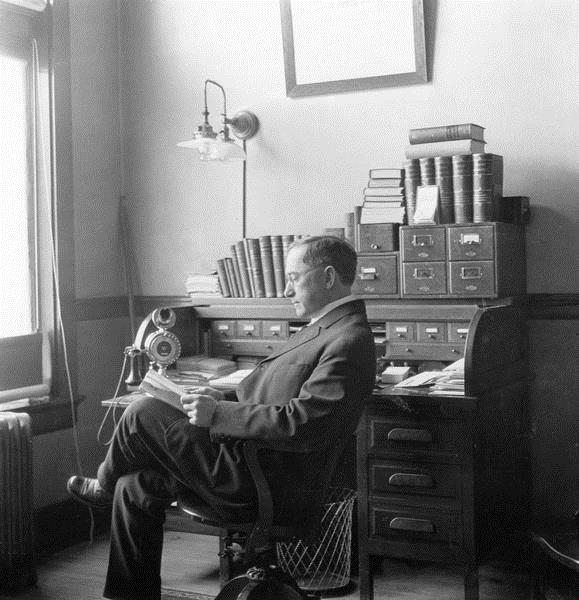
x=440, y=478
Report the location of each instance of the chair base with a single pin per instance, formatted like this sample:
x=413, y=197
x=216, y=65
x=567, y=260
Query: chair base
x=269, y=583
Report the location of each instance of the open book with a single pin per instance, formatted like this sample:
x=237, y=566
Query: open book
x=165, y=389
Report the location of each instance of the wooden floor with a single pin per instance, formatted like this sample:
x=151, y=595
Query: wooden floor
x=190, y=563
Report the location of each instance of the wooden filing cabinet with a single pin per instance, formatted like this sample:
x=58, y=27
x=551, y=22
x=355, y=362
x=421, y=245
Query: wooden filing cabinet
x=441, y=478
x=484, y=260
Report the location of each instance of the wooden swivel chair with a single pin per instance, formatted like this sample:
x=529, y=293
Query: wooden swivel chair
x=253, y=543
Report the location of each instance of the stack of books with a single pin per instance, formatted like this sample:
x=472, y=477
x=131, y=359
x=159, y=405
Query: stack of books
x=384, y=197
x=202, y=284
x=453, y=157
x=256, y=267
x=446, y=140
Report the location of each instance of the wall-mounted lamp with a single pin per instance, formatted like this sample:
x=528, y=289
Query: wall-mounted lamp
x=212, y=146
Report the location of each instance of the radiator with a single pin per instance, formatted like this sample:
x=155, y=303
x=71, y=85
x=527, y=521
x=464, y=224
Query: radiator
x=16, y=548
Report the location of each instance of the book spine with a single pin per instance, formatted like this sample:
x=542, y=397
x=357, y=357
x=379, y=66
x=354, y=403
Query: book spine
x=349, y=227
x=278, y=265
x=286, y=241
x=236, y=271
x=487, y=186
x=426, y=171
x=446, y=133
x=357, y=215
x=443, y=179
x=450, y=148
x=394, y=182
x=238, y=251
x=383, y=191
x=222, y=274
x=411, y=182
x=233, y=284
x=256, y=267
x=249, y=266
x=266, y=255
x=462, y=188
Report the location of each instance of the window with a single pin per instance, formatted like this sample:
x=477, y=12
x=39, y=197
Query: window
x=23, y=335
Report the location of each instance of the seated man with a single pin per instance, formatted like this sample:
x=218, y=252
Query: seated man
x=301, y=398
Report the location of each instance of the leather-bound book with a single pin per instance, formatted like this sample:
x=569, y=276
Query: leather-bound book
x=266, y=254
x=445, y=133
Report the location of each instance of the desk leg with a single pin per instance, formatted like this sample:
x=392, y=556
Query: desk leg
x=366, y=577
x=471, y=583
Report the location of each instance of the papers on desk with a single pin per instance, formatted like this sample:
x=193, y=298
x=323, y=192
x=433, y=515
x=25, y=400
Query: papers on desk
x=424, y=379
x=448, y=382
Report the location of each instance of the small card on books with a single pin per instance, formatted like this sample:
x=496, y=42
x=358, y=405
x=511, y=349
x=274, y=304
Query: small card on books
x=426, y=212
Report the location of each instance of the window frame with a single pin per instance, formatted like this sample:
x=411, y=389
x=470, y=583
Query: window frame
x=55, y=220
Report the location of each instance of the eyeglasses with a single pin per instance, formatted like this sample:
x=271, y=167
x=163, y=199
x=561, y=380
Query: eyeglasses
x=293, y=278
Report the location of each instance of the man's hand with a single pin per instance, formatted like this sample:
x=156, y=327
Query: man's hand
x=200, y=405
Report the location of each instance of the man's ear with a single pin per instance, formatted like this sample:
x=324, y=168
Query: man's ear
x=330, y=275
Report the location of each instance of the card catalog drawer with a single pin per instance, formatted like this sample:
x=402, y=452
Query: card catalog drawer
x=378, y=237
x=473, y=278
x=431, y=332
x=223, y=329
x=421, y=479
x=457, y=332
x=377, y=275
x=401, y=331
x=274, y=329
x=421, y=244
x=251, y=329
x=471, y=243
x=424, y=279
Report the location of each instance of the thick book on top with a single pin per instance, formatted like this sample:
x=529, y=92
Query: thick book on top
x=444, y=133
x=450, y=148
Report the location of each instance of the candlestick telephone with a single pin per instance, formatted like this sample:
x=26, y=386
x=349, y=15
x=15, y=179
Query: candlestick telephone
x=154, y=341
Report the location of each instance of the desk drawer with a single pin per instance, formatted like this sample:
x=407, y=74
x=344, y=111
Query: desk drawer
x=475, y=278
x=245, y=348
x=415, y=435
x=416, y=524
x=420, y=479
x=427, y=351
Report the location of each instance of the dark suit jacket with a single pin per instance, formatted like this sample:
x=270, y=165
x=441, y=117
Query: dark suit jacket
x=305, y=396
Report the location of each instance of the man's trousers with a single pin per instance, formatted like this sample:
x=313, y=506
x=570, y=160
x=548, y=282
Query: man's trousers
x=154, y=456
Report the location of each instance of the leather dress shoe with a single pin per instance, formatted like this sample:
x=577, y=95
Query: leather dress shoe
x=89, y=491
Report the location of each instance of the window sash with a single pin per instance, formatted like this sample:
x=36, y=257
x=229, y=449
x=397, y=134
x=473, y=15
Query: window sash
x=21, y=351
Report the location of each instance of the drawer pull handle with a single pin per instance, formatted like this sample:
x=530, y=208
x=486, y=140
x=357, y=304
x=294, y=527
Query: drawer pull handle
x=400, y=434
x=471, y=273
x=424, y=273
x=470, y=239
x=417, y=480
x=406, y=524
x=419, y=241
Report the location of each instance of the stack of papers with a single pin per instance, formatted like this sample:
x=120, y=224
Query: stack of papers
x=448, y=382
x=452, y=384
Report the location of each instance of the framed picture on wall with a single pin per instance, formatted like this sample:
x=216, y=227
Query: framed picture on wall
x=335, y=46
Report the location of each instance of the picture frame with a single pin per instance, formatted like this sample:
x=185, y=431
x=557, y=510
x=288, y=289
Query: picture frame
x=365, y=44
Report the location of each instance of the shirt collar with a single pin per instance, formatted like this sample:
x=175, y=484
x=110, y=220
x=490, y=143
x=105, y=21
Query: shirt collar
x=329, y=307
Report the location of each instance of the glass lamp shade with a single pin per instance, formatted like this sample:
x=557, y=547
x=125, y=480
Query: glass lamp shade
x=214, y=149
